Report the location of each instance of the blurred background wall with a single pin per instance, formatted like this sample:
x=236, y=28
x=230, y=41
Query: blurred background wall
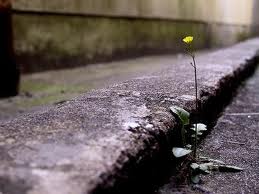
x=255, y=18
x=64, y=33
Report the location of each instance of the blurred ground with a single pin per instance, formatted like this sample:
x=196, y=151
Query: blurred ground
x=55, y=86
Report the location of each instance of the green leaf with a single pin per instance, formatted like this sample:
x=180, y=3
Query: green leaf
x=195, y=179
x=199, y=133
x=182, y=114
x=193, y=136
x=200, y=127
x=206, y=167
x=202, y=168
x=195, y=166
x=227, y=168
x=206, y=159
x=188, y=146
x=180, y=152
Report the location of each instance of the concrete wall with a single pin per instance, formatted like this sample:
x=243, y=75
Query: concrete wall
x=103, y=29
x=57, y=41
x=230, y=11
x=255, y=18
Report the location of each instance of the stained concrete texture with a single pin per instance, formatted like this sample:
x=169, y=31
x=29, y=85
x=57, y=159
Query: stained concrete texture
x=101, y=141
x=51, y=87
x=234, y=140
x=46, y=88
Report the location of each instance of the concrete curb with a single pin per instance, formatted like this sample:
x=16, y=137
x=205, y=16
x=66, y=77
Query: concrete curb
x=116, y=139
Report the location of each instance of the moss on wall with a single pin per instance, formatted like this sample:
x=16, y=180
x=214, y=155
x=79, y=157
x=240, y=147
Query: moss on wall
x=51, y=40
x=205, y=10
x=225, y=35
x=87, y=38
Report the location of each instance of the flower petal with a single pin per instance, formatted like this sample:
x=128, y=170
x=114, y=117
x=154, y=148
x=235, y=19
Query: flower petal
x=188, y=39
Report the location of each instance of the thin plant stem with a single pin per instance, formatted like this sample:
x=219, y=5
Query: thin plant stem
x=196, y=103
x=193, y=64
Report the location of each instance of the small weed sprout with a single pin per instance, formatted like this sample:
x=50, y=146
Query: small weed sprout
x=182, y=114
x=199, y=165
x=188, y=40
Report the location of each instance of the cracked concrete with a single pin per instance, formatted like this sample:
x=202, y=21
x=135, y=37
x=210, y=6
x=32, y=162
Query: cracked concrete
x=234, y=140
x=82, y=145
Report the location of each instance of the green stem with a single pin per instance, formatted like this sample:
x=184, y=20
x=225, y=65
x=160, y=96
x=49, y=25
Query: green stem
x=196, y=103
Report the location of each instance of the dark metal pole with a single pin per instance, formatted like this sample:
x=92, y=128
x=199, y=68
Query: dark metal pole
x=9, y=71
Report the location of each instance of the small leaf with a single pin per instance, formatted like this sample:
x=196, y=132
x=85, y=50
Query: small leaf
x=199, y=133
x=200, y=127
x=202, y=168
x=188, y=146
x=195, y=166
x=180, y=152
x=227, y=168
x=195, y=179
x=193, y=136
x=182, y=114
x=206, y=159
x=206, y=167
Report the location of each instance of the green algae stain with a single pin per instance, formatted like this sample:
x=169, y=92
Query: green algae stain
x=242, y=35
x=89, y=37
x=48, y=93
x=33, y=86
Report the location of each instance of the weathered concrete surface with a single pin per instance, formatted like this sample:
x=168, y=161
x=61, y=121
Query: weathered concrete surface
x=51, y=87
x=103, y=140
x=235, y=141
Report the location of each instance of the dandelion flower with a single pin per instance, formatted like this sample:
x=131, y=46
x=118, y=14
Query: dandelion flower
x=188, y=39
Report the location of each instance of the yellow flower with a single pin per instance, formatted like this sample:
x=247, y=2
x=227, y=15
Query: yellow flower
x=188, y=39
